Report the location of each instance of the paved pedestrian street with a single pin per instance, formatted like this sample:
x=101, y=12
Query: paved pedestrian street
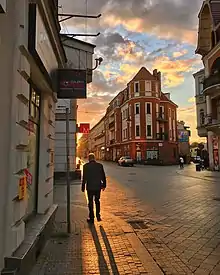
x=156, y=220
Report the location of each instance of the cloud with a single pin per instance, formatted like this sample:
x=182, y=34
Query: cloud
x=180, y=53
x=173, y=70
x=192, y=100
x=167, y=18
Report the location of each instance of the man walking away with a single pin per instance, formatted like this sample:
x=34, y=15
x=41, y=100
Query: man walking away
x=181, y=162
x=94, y=180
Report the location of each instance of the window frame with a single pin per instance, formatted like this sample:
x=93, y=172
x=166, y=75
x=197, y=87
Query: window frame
x=137, y=126
x=139, y=109
x=149, y=127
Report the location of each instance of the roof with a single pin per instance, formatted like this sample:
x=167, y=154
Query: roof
x=143, y=74
x=163, y=97
x=67, y=37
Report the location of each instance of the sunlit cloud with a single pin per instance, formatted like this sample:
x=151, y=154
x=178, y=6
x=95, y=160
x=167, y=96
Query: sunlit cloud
x=180, y=53
x=173, y=70
x=192, y=100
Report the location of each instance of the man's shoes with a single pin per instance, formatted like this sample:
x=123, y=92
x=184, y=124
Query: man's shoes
x=91, y=221
x=99, y=219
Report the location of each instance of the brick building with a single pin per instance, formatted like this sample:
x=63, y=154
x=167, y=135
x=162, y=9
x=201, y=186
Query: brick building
x=208, y=80
x=141, y=122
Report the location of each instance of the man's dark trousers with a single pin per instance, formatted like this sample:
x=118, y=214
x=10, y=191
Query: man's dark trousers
x=91, y=196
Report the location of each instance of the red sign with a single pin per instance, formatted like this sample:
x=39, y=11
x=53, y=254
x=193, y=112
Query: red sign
x=84, y=128
x=28, y=176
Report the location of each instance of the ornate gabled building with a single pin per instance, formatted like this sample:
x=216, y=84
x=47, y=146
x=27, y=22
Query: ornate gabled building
x=141, y=122
x=208, y=47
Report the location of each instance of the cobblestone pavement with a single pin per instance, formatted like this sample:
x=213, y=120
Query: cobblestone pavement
x=175, y=215
x=109, y=247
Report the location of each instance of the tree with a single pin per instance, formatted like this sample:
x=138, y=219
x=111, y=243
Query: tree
x=194, y=145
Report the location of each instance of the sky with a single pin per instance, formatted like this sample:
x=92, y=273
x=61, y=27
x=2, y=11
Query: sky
x=156, y=34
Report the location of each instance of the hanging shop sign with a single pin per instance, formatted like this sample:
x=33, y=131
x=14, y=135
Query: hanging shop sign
x=2, y=6
x=22, y=188
x=71, y=83
x=84, y=128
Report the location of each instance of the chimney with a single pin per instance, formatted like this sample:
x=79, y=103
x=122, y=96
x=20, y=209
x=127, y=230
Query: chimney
x=167, y=95
x=155, y=72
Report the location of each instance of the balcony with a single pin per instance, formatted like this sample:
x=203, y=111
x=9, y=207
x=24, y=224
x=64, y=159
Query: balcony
x=211, y=84
x=162, y=136
x=161, y=117
x=212, y=124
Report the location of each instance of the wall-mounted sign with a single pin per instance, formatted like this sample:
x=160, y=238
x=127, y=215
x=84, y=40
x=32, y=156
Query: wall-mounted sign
x=22, y=188
x=183, y=136
x=84, y=128
x=2, y=6
x=29, y=177
x=71, y=83
x=43, y=45
x=61, y=106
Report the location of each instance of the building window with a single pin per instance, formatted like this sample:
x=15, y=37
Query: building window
x=137, y=109
x=147, y=86
x=202, y=117
x=137, y=130
x=136, y=87
x=148, y=108
x=200, y=87
x=169, y=112
x=149, y=130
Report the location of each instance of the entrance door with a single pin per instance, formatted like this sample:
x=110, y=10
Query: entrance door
x=138, y=156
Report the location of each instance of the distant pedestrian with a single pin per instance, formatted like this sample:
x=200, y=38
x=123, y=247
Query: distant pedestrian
x=94, y=180
x=181, y=162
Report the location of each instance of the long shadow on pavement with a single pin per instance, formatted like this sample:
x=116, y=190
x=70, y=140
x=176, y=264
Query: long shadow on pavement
x=109, y=251
x=103, y=267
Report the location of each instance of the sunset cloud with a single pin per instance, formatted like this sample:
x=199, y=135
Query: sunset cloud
x=174, y=70
x=180, y=53
x=156, y=34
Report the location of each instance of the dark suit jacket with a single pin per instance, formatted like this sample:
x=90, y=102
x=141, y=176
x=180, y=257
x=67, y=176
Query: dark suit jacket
x=93, y=176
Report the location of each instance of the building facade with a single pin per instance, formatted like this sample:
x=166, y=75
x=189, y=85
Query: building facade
x=208, y=47
x=141, y=122
x=183, y=134
x=30, y=51
x=200, y=100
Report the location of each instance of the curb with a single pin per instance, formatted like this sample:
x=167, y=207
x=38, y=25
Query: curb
x=147, y=260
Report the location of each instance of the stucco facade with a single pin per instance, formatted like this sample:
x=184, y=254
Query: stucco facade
x=209, y=48
x=27, y=118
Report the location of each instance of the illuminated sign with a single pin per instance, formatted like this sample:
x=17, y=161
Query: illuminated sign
x=84, y=128
x=71, y=83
